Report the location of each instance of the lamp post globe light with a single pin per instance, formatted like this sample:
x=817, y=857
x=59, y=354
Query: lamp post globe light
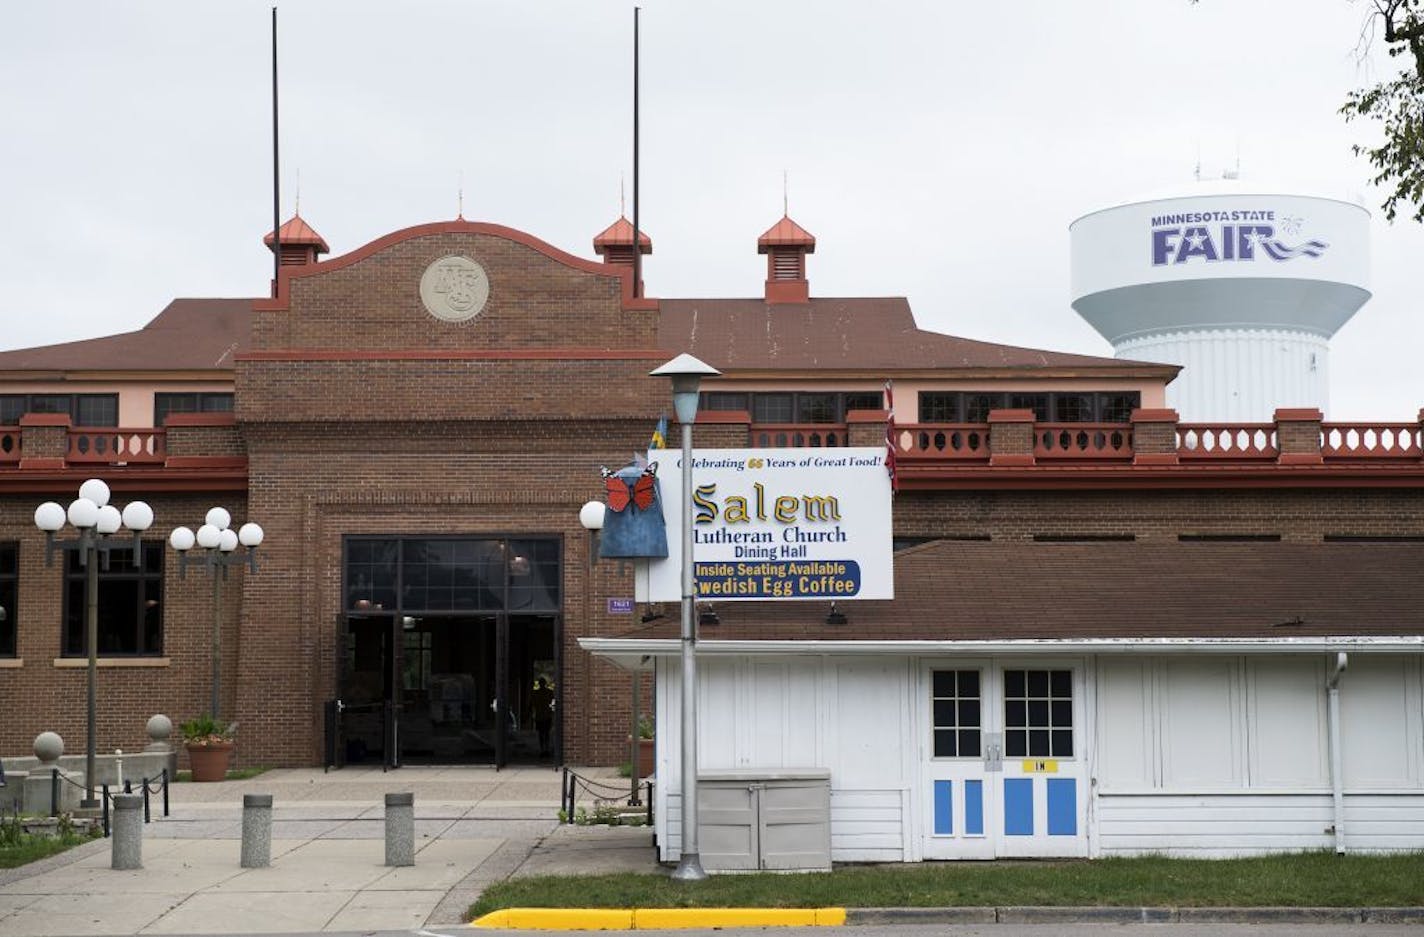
x=686, y=374
x=219, y=543
x=97, y=524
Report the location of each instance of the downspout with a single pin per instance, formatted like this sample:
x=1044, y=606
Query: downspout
x=1337, y=760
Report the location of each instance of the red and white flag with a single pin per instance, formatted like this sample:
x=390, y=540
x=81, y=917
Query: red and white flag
x=890, y=435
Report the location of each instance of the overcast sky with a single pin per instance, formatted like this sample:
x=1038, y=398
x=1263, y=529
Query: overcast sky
x=937, y=150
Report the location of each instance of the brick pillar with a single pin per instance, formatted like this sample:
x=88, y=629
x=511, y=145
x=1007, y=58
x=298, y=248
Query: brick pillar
x=866, y=428
x=203, y=440
x=1154, y=437
x=44, y=440
x=1011, y=437
x=1298, y=436
x=715, y=429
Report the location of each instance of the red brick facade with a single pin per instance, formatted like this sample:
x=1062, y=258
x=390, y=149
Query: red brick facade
x=359, y=413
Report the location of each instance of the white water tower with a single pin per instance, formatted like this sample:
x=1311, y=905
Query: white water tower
x=1240, y=283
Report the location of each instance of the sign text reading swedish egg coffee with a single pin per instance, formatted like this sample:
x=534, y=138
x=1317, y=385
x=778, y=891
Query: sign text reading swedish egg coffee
x=779, y=524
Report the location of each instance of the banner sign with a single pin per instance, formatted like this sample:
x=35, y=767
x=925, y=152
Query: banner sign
x=777, y=524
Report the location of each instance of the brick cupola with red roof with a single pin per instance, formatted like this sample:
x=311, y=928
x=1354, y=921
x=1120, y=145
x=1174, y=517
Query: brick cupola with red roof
x=615, y=245
x=299, y=243
x=786, y=245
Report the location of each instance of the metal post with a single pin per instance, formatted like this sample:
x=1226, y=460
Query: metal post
x=217, y=638
x=90, y=556
x=165, y=792
x=689, y=866
x=53, y=792
x=147, y=809
x=635, y=747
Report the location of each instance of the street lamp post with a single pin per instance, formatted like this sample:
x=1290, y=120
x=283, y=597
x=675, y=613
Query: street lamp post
x=219, y=542
x=687, y=373
x=95, y=520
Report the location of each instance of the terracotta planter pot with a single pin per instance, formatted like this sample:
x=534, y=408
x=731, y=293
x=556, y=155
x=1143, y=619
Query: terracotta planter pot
x=210, y=761
x=645, y=757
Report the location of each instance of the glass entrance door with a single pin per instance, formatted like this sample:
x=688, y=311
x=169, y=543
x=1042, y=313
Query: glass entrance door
x=466, y=668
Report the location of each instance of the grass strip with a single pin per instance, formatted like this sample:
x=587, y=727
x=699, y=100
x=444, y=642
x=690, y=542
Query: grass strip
x=1315, y=879
x=33, y=848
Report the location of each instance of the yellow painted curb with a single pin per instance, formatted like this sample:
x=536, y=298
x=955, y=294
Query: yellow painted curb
x=557, y=919
x=658, y=918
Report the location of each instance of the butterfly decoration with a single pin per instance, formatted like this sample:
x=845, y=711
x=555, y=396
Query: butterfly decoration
x=640, y=492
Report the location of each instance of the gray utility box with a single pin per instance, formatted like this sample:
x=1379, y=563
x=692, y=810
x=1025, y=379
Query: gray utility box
x=765, y=818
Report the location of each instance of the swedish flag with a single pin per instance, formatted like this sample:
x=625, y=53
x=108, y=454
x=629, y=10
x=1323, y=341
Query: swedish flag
x=659, y=440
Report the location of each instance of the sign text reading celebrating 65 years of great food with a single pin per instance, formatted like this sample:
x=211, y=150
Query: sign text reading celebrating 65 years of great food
x=778, y=524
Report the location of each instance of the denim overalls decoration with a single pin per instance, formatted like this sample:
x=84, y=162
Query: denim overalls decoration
x=633, y=526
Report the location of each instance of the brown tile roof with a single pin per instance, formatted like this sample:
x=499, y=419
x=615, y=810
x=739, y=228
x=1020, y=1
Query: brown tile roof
x=951, y=590
x=786, y=233
x=874, y=333
x=190, y=334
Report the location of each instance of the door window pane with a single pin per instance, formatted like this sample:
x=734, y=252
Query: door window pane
x=955, y=706
x=1038, y=713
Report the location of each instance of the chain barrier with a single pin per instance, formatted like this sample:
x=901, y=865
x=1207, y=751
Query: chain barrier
x=147, y=785
x=600, y=793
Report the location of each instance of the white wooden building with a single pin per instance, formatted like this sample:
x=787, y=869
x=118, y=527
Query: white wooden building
x=1078, y=700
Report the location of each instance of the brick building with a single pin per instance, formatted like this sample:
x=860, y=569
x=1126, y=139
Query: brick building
x=416, y=424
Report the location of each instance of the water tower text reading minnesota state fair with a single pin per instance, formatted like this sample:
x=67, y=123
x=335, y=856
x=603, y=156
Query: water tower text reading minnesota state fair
x=1240, y=283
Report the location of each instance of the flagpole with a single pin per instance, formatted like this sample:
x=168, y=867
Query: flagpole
x=637, y=248
x=276, y=173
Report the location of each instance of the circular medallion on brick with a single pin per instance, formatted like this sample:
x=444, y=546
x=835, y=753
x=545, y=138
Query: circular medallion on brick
x=454, y=288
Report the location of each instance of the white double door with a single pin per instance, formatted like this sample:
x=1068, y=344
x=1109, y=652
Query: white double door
x=1002, y=763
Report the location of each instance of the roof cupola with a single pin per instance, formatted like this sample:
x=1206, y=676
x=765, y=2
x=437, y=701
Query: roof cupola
x=299, y=243
x=615, y=245
x=786, y=245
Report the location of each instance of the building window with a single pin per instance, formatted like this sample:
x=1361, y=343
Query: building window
x=873, y=401
x=196, y=402
x=1038, y=403
x=818, y=408
x=773, y=408
x=938, y=407
x=9, y=584
x=130, y=604
x=452, y=574
x=1056, y=407
x=82, y=409
x=957, y=714
x=783, y=407
x=723, y=401
x=1038, y=713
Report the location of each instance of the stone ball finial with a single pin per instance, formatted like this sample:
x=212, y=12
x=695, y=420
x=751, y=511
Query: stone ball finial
x=48, y=747
x=159, y=728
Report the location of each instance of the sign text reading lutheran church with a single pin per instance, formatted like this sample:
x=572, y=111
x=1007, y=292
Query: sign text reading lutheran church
x=779, y=524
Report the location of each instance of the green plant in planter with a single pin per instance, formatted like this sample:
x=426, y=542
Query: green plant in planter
x=645, y=726
x=202, y=731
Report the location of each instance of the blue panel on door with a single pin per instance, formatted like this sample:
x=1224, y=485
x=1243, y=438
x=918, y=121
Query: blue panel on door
x=974, y=808
x=1062, y=807
x=1018, y=806
x=943, y=808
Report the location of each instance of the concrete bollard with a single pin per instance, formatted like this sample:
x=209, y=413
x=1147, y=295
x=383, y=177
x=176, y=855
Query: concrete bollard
x=256, y=831
x=127, y=841
x=400, y=829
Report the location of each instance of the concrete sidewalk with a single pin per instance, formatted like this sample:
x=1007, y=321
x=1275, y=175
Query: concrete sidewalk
x=473, y=826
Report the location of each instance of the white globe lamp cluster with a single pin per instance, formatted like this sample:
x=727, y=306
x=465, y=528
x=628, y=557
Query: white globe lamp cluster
x=92, y=511
x=96, y=521
x=216, y=533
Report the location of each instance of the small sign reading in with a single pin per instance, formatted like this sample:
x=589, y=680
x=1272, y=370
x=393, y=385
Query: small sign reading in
x=620, y=606
x=1041, y=767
